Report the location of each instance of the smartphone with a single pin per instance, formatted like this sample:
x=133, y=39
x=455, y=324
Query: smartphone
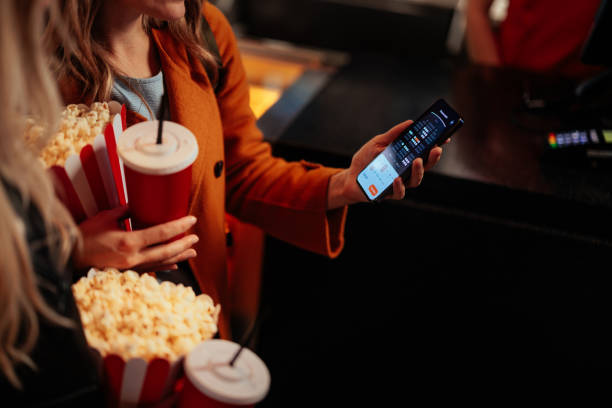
x=432, y=128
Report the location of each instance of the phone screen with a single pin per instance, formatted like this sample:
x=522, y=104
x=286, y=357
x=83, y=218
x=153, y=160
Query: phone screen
x=433, y=127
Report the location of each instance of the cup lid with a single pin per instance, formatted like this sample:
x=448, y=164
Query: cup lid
x=138, y=149
x=245, y=383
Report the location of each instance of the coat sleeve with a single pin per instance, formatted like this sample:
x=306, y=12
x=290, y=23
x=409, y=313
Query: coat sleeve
x=288, y=200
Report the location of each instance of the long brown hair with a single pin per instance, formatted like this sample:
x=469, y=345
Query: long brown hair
x=27, y=88
x=88, y=59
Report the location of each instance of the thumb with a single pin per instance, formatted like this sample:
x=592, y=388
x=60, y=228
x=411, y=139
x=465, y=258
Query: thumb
x=114, y=214
x=389, y=136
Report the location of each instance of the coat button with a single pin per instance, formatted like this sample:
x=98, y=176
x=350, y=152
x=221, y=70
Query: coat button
x=218, y=168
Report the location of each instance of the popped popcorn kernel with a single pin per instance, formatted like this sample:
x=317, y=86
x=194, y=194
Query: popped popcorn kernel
x=79, y=126
x=135, y=316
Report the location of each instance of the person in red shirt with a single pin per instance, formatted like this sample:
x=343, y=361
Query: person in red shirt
x=536, y=35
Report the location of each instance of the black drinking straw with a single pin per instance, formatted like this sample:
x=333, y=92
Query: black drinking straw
x=245, y=340
x=161, y=121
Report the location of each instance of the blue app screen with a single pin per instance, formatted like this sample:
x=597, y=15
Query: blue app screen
x=412, y=143
x=377, y=176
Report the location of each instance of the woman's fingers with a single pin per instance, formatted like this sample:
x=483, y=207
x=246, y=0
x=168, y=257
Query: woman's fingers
x=157, y=267
x=105, y=220
x=115, y=214
x=433, y=158
x=389, y=136
x=169, y=264
x=183, y=256
x=170, y=250
x=418, y=171
x=399, y=190
x=164, y=232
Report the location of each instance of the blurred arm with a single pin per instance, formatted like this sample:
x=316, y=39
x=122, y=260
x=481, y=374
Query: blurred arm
x=480, y=39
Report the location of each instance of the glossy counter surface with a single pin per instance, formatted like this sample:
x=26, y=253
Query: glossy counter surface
x=500, y=153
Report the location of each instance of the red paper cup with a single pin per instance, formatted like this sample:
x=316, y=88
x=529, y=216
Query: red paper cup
x=157, y=176
x=212, y=383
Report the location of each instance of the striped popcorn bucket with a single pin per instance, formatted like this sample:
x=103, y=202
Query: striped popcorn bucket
x=136, y=382
x=93, y=180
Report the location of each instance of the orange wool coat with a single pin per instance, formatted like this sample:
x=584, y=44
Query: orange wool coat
x=286, y=200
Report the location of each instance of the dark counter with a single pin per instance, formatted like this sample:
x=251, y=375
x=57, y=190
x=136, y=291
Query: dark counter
x=487, y=284
x=498, y=164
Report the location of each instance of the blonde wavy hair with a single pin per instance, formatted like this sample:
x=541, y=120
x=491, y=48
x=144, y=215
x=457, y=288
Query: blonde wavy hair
x=27, y=88
x=88, y=60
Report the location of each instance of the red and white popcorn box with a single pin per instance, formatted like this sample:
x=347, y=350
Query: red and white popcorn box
x=141, y=330
x=94, y=180
x=136, y=381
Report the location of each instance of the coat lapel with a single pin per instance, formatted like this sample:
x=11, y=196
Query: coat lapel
x=190, y=94
x=193, y=104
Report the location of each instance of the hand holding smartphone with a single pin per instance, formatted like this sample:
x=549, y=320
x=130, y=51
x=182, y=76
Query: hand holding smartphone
x=432, y=128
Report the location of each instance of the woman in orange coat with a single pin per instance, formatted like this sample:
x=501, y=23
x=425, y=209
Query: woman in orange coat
x=122, y=44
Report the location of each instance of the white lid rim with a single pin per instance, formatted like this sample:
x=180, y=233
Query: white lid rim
x=228, y=399
x=175, y=167
x=163, y=171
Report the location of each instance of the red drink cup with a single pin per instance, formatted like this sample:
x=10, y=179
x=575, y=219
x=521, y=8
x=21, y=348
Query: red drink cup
x=212, y=383
x=157, y=176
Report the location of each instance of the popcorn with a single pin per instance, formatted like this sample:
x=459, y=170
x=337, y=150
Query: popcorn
x=79, y=126
x=135, y=316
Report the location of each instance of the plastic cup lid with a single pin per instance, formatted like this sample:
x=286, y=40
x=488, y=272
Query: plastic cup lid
x=245, y=383
x=138, y=149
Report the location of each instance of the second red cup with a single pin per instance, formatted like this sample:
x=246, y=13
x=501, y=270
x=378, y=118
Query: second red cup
x=157, y=176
